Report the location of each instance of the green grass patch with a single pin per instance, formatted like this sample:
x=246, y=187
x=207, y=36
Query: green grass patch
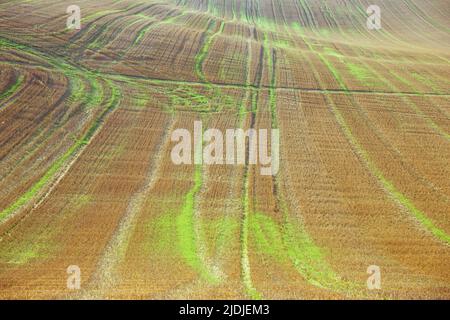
x=165, y=228
x=333, y=53
x=27, y=253
x=267, y=236
x=13, y=88
x=186, y=231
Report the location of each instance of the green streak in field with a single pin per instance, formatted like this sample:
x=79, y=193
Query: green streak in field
x=426, y=81
x=201, y=56
x=171, y=227
x=96, y=97
x=31, y=250
x=142, y=33
x=185, y=224
x=309, y=261
x=362, y=74
x=291, y=243
x=186, y=231
x=82, y=200
x=227, y=227
x=267, y=236
x=401, y=79
x=13, y=88
x=245, y=262
x=153, y=25
x=102, y=13
x=272, y=76
x=331, y=52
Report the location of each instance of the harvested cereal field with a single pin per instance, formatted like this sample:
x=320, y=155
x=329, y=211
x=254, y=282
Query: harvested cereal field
x=88, y=180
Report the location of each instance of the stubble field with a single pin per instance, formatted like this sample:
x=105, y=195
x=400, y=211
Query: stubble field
x=87, y=179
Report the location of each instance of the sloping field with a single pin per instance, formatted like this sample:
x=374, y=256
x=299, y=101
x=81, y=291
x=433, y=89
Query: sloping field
x=87, y=178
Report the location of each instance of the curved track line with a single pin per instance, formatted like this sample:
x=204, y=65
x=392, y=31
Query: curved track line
x=12, y=89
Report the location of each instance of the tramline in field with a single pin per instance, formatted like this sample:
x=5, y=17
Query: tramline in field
x=93, y=205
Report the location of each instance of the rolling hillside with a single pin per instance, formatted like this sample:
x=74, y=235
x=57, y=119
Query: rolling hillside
x=87, y=179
